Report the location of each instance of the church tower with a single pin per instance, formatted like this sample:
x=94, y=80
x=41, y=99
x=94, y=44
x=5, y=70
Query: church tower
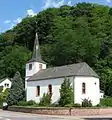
x=36, y=63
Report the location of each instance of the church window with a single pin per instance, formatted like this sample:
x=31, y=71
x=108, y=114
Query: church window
x=50, y=89
x=38, y=91
x=40, y=66
x=83, y=88
x=30, y=66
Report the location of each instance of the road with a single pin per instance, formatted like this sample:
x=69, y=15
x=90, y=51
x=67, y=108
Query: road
x=97, y=117
x=7, y=115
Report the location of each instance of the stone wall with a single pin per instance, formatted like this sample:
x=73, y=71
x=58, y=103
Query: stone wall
x=47, y=111
x=64, y=111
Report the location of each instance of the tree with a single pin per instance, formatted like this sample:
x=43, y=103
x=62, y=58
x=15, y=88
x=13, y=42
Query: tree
x=66, y=93
x=16, y=92
x=14, y=59
x=45, y=100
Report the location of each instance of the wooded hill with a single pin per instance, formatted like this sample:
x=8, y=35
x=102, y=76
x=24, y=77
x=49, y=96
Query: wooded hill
x=67, y=35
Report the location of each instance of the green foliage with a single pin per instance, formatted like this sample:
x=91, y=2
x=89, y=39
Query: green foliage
x=3, y=96
x=77, y=105
x=66, y=93
x=1, y=101
x=86, y=103
x=31, y=102
x=1, y=89
x=68, y=105
x=45, y=100
x=13, y=59
x=16, y=92
x=106, y=102
x=25, y=103
x=22, y=103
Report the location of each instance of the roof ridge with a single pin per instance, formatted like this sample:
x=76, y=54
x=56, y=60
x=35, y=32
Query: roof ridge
x=66, y=65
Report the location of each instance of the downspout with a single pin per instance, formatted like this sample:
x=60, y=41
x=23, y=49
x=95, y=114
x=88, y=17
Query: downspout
x=73, y=90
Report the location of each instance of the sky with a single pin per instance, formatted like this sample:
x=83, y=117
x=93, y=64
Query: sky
x=13, y=11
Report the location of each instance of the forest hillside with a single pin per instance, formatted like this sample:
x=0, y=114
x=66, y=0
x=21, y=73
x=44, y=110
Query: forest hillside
x=81, y=33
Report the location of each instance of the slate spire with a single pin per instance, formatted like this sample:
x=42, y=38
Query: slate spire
x=36, y=56
x=36, y=49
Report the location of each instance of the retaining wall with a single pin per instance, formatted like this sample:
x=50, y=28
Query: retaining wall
x=64, y=111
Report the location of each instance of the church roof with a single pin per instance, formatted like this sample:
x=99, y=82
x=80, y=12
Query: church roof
x=79, y=69
x=36, y=56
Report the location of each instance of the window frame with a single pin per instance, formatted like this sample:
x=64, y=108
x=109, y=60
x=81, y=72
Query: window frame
x=40, y=66
x=7, y=85
x=83, y=88
x=37, y=91
x=50, y=89
x=30, y=66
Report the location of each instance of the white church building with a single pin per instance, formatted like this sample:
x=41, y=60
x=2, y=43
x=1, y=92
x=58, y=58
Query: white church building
x=40, y=80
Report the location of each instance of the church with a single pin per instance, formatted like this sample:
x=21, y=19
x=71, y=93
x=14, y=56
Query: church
x=40, y=80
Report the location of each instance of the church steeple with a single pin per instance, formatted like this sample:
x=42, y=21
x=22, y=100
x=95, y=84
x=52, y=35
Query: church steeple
x=36, y=63
x=36, y=50
x=36, y=56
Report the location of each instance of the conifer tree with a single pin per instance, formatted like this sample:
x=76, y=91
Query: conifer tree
x=16, y=92
x=66, y=93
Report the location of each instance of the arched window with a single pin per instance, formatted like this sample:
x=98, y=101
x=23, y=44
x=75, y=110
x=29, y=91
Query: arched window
x=38, y=91
x=50, y=89
x=83, y=88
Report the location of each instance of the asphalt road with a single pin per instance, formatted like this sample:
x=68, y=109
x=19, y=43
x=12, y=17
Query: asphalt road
x=98, y=118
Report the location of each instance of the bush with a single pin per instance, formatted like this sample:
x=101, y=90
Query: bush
x=1, y=89
x=25, y=103
x=69, y=105
x=1, y=101
x=31, y=102
x=106, y=102
x=22, y=103
x=98, y=105
x=76, y=105
x=3, y=96
x=86, y=103
x=45, y=100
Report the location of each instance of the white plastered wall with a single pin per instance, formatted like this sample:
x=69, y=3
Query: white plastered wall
x=56, y=84
x=92, y=89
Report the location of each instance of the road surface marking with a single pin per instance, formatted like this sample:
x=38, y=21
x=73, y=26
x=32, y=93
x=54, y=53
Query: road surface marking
x=7, y=119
